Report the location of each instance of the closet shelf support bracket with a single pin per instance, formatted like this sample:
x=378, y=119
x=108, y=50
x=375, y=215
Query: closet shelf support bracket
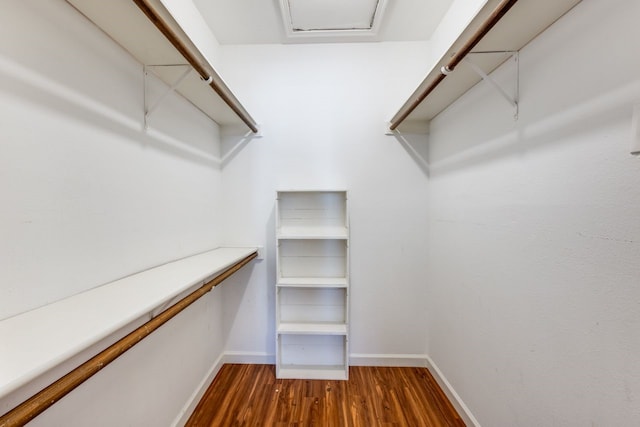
x=513, y=100
x=149, y=109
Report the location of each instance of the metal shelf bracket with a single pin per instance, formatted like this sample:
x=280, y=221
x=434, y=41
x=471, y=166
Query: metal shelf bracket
x=149, y=109
x=511, y=99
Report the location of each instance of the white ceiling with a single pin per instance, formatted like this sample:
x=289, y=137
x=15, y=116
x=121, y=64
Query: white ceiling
x=260, y=21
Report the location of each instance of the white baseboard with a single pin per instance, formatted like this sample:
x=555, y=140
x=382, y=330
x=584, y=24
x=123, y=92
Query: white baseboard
x=403, y=360
x=453, y=397
x=226, y=357
x=419, y=360
x=195, y=398
x=249, y=358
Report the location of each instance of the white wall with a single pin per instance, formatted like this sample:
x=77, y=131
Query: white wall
x=534, y=296
x=87, y=196
x=529, y=229
x=322, y=109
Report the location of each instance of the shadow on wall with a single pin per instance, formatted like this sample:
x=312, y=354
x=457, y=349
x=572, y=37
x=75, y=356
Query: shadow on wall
x=527, y=134
x=42, y=91
x=235, y=138
x=416, y=146
x=563, y=91
x=234, y=288
x=240, y=312
x=414, y=136
x=270, y=242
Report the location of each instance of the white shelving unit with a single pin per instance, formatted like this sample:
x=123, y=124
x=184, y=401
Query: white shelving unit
x=312, y=284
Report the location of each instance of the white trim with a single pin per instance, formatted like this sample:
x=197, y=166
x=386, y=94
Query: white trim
x=197, y=395
x=453, y=397
x=346, y=35
x=404, y=360
x=418, y=360
x=249, y=358
x=242, y=357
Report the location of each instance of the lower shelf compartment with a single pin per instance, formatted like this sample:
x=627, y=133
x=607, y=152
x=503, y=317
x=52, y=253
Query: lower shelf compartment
x=314, y=372
x=303, y=356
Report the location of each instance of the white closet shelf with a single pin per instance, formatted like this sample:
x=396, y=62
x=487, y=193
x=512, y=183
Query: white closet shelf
x=31, y=343
x=523, y=22
x=330, y=232
x=314, y=372
x=125, y=23
x=316, y=328
x=312, y=282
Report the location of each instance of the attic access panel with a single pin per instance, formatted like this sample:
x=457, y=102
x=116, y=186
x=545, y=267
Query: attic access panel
x=337, y=18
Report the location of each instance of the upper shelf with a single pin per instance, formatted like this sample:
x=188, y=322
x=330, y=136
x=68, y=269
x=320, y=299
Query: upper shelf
x=126, y=23
x=523, y=21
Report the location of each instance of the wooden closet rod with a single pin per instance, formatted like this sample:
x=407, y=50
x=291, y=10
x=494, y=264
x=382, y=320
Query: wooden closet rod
x=486, y=26
x=39, y=402
x=207, y=73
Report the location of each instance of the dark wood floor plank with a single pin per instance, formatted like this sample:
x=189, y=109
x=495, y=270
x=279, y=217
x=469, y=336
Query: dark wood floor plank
x=250, y=395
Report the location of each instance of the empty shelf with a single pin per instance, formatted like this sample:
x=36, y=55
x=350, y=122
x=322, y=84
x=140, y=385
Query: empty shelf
x=33, y=342
x=333, y=232
x=312, y=328
x=312, y=282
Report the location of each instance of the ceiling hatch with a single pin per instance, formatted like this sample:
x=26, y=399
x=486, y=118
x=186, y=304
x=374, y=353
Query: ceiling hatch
x=331, y=18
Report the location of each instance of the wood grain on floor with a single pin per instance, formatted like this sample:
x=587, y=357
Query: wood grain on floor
x=250, y=395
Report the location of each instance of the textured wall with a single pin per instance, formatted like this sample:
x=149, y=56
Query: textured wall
x=534, y=305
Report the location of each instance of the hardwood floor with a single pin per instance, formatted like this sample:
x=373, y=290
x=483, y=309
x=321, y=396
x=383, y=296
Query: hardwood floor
x=250, y=395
